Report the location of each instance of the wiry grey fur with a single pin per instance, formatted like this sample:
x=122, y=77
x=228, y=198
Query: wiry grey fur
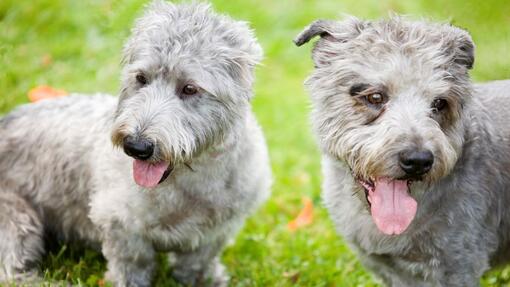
x=462, y=226
x=60, y=172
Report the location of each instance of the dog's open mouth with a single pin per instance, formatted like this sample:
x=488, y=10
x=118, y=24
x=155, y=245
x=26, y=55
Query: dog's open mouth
x=391, y=206
x=149, y=174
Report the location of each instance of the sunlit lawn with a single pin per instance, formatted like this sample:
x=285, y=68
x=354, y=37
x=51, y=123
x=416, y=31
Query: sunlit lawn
x=75, y=45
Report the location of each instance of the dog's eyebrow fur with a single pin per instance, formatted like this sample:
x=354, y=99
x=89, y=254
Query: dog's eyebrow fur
x=362, y=90
x=358, y=88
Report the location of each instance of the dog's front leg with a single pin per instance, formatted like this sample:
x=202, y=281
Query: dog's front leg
x=464, y=273
x=131, y=259
x=461, y=279
x=385, y=269
x=200, y=266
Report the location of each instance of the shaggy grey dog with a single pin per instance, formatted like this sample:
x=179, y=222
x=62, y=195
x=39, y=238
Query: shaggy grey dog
x=416, y=158
x=187, y=165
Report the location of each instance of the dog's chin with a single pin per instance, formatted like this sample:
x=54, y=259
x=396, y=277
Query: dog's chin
x=167, y=173
x=391, y=206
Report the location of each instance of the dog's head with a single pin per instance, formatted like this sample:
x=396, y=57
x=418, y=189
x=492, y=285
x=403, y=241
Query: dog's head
x=187, y=82
x=388, y=101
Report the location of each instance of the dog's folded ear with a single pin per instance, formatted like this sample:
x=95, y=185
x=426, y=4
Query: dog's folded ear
x=318, y=27
x=243, y=56
x=335, y=31
x=464, y=48
x=333, y=34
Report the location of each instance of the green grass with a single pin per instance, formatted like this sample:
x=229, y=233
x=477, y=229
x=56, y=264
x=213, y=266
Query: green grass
x=75, y=45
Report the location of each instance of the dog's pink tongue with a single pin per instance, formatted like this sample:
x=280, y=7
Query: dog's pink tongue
x=392, y=207
x=148, y=174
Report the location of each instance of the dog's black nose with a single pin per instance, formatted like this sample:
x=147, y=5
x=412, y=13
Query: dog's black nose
x=416, y=162
x=138, y=148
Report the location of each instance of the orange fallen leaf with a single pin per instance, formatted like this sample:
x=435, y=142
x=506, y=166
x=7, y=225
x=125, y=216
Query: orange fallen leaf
x=305, y=216
x=44, y=92
x=101, y=283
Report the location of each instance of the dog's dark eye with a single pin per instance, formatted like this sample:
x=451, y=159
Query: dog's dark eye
x=375, y=99
x=369, y=95
x=439, y=105
x=189, y=90
x=141, y=79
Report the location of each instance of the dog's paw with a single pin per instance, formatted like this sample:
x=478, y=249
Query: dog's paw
x=218, y=275
x=121, y=280
x=214, y=276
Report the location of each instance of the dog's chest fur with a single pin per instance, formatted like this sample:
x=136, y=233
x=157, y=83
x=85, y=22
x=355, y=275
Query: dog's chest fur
x=195, y=205
x=183, y=214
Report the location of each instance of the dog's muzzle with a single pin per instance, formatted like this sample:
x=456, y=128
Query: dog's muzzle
x=138, y=148
x=146, y=172
x=416, y=163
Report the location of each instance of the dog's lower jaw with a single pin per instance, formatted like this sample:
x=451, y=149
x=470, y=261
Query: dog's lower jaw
x=366, y=185
x=167, y=173
x=170, y=170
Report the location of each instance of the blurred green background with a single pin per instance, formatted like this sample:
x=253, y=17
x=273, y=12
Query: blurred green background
x=74, y=45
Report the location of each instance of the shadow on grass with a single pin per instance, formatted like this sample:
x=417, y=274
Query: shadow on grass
x=82, y=266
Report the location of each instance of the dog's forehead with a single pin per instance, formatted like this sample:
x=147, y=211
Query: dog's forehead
x=182, y=45
x=397, y=59
x=398, y=72
x=423, y=46
x=191, y=40
x=189, y=30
